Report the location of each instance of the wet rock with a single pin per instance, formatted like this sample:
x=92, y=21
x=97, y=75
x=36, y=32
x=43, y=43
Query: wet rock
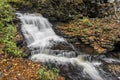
x=114, y=69
x=62, y=46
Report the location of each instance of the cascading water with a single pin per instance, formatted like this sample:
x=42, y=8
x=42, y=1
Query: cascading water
x=40, y=38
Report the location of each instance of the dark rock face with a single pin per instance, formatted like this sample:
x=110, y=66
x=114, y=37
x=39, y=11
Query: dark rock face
x=97, y=8
x=62, y=10
x=65, y=10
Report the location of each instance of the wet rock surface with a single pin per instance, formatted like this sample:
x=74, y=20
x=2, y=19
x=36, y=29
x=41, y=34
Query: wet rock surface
x=114, y=69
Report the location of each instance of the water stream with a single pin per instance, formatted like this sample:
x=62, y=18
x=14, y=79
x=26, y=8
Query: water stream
x=40, y=39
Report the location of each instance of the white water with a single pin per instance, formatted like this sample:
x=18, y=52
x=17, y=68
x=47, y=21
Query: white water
x=88, y=67
x=38, y=31
x=40, y=37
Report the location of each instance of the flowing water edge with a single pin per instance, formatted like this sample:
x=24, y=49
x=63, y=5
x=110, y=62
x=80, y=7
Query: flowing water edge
x=40, y=39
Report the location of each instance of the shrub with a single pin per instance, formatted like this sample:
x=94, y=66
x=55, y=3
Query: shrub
x=6, y=13
x=7, y=29
x=8, y=40
x=46, y=74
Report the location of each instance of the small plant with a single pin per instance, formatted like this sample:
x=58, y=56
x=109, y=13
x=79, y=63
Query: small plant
x=46, y=74
x=86, y=22
x=106, y=29
x=70, y=29
x=85, y=30
x=96, y=26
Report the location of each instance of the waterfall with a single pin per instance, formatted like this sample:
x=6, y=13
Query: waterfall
x=40, y=38
x=37, y=31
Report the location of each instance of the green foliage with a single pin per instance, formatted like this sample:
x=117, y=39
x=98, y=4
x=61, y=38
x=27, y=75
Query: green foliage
x=7, y=30
x=6, y=13
x=46, y=74
x=12, y=49
x=8, y=39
